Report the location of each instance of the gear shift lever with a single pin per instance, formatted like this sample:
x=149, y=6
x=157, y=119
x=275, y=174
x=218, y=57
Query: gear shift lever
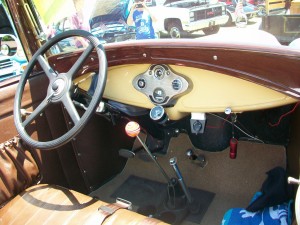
x=132, y=130
x=174, y=203
x=173, y=163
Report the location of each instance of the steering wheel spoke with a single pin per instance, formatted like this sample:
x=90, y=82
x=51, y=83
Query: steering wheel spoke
x=71, y=109
x=46, y=67
x=42, y=106
x=75, y=68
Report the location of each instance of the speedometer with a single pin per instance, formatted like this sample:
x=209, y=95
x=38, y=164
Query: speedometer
x=159, y=95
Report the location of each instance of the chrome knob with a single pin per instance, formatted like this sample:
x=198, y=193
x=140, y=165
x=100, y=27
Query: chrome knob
x=292, y=180
x=173, y=161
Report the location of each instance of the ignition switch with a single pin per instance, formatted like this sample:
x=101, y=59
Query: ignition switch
x=197, y=123
x=197, y=126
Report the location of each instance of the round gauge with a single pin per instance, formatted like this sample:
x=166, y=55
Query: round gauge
x=159, y=72
x=159, y=95
x=157, y=113
x=141, y=83
x=177, y=84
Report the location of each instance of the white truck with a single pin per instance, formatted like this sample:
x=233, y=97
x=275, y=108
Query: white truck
x=176, y=17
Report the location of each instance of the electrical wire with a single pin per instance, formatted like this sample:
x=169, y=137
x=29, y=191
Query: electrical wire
x=237, y=127
x=218, y=127
x=284, y=115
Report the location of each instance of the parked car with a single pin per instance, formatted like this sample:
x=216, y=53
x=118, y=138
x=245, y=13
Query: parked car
x=113, y=31
x=177, y=18
x=12, y=57
x=249, y=10
x=202, y=130
x=65, y=24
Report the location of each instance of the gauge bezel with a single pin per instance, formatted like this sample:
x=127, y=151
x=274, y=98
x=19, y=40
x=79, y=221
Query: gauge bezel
x=164, y=82
x=162, y=112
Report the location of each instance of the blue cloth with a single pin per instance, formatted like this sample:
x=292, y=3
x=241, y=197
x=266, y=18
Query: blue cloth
x=274, y=215
x=143, y=25
x=274, y=191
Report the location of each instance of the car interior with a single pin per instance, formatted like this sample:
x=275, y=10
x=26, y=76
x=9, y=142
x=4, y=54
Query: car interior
x=169, y=131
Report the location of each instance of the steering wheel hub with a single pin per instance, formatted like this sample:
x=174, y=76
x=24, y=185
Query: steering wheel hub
x=58, y=86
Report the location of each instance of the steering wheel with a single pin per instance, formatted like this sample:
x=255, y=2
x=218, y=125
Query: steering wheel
x=60, y=86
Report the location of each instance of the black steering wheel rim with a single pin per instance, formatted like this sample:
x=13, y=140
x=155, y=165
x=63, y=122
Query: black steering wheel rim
x=63, y=95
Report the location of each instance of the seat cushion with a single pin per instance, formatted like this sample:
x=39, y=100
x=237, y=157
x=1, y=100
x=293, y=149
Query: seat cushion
x=50, y=204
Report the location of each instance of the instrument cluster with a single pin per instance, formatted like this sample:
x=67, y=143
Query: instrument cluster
x=160, y=84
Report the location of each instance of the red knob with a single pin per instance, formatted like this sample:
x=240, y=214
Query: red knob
x=233, y=148
x=132, y=129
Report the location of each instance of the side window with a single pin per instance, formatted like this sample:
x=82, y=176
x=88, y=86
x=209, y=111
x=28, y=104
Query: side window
x=12, y=58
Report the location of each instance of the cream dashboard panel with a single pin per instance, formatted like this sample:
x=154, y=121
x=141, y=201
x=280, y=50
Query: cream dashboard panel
x=119, y=85
x=208, y=91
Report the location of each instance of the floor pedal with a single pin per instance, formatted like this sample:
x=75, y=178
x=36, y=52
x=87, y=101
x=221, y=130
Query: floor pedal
x=126, y=153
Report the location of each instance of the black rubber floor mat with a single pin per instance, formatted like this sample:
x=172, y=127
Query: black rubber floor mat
x=145, y=194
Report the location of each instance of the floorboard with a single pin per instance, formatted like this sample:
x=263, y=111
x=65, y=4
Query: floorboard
x=232, y=182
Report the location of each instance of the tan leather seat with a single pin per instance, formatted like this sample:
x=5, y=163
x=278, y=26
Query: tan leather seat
x=50, y=204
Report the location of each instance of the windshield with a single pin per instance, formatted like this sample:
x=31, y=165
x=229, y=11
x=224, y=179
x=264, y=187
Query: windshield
x=261, y=22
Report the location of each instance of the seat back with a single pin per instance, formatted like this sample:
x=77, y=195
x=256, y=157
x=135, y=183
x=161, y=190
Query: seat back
x=18, y=169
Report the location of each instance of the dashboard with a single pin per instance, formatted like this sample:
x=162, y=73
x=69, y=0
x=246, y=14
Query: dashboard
x=182, y=90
